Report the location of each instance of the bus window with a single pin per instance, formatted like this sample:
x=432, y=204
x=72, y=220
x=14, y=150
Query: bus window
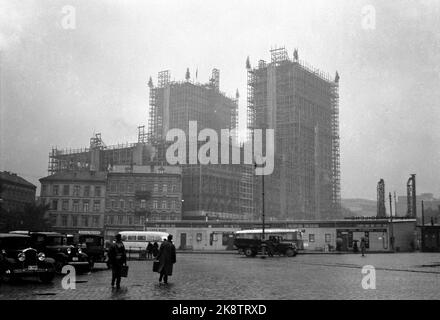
x=131, y=238
x=141, y=238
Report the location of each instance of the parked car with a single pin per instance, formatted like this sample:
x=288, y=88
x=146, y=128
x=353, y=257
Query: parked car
x=55, y=245
x=18, y=259
x=93, y=246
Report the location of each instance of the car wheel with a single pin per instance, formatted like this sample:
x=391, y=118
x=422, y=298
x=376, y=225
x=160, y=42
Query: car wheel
x=249, y=252
x=290, y=252
x=47, y=277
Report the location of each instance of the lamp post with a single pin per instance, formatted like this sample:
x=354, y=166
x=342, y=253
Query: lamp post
x=391, y=225
x=263, y=235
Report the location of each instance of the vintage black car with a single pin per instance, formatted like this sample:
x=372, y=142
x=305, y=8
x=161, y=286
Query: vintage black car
x=19, y=260
x=55, y=245
x=279, y=242
x=93, y=246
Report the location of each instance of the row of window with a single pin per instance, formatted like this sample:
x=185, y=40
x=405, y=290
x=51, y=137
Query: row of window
x=130, y=204
x=77, y=205
x=123, y=187
x=328, y=237
x=77, y=190
x=65, y=220
x=137, y=220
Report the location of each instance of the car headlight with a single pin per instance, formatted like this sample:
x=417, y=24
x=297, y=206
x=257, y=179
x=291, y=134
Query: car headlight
x=21, y=257
x=80, y=250
x=69, y=250
x=41, y=256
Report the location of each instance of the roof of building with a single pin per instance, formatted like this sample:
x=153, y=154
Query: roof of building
x=77, y=176
x=14, y=178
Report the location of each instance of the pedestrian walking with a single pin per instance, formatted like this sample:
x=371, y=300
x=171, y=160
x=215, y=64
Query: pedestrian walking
x=363, y=246
x=149, y=250
x=166, y=257
x=155, y=249
x=117, y=258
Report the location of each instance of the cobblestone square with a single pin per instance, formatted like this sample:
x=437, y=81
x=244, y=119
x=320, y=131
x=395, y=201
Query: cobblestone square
x=233, y=276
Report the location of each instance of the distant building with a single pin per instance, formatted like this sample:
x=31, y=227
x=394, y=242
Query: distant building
x=15, y=192
x=140, y=194
x=76, y=200
x=429, y=202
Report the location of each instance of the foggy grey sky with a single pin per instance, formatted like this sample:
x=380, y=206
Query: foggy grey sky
x=60, y=86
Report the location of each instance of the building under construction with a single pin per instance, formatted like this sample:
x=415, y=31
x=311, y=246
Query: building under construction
x=219, y=191
x=301, y=104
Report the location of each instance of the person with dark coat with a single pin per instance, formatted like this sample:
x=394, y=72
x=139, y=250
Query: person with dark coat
x=155, y=249
x=166, y=257
x=363, y=246
x=117, y=258
x=149, y=250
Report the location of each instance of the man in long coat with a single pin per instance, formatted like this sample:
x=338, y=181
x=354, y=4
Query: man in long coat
x=166, y=257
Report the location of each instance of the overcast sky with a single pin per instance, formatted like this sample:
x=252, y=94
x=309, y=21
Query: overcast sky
x=60, y=86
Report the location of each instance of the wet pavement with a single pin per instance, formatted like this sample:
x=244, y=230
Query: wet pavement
x=233, y=276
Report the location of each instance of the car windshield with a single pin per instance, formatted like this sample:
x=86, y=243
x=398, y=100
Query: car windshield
x=90, y=240
x=14, y=243
x=55, y=241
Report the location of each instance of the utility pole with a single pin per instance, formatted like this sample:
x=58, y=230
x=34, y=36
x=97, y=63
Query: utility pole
x=395, y=204
x=423, y=214
x=391, y=225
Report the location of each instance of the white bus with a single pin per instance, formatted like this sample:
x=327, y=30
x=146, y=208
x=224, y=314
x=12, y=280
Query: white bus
x=138, y=240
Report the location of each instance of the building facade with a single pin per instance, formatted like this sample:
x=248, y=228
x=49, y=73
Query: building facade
x=76, y=200
x=138, y=195
x=301, y=105
x=15, y=192
x=210, y=190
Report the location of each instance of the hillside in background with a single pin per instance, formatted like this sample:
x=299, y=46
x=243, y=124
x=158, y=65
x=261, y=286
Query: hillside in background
x=359, y=207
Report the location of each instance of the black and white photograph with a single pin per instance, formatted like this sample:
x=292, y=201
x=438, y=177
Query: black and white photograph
x=222, y=152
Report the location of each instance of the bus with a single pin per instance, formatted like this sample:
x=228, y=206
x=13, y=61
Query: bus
x=138, y=240
x=277, y=241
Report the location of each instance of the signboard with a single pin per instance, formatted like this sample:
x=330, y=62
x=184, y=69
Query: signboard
x=91, y=232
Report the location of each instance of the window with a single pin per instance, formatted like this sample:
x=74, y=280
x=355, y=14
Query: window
x=54, y=204
x=74, y=221
x=64, y=220
x=97, y=191
x=199, y=237
x=113, y=187
x=96, y=221
x=311, y=237
x=122, y=187
x=164, y=204
x=76, y=190
x=122, y=204
x=143, y=187
x=156, y=188
x=120, y=219
x=174, y=188
x=155, y=204
x=143, y=204
x=86, y=206
x=75, y=206
x=96, y=205
x=53, y=219
x=131, y=204
x=136, y=219
x=65, y=205
x=165, y=188
x=85, y=221
x=114, y=206
x=55, y=190
x=328, y=237
x=110, y=220
x=130, y=187
x=43, y=189
x=66, y=190
x=130, y=220
x=173, y=204
x=86, y=191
